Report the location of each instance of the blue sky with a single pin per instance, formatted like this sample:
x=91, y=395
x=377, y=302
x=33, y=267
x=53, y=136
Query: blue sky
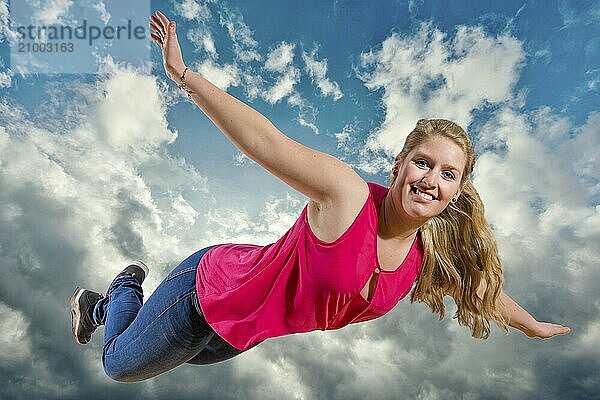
x=99, y=168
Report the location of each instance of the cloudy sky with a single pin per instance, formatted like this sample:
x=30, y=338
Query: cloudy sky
x=100, y=168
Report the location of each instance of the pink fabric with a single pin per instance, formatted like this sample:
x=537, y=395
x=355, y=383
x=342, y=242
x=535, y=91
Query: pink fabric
x=249, y=293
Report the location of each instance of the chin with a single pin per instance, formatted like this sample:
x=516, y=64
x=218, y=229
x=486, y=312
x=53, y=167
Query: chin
x=422, y=213
x=417, y=214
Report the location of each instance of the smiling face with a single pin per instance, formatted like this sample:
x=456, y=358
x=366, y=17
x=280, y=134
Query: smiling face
x=428, y=178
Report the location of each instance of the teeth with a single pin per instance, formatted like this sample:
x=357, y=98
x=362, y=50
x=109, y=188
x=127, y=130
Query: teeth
x=423, y=195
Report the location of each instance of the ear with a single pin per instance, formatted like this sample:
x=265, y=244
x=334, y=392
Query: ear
x=456, y=196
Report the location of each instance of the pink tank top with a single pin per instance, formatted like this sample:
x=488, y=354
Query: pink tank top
x=249, y=293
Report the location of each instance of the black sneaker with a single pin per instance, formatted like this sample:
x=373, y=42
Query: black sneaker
x=137, y=269
x=82, y=307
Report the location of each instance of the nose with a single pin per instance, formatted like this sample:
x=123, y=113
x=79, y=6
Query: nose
x=430, y=179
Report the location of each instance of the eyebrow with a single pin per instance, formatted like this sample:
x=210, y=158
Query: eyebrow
x=446, y=166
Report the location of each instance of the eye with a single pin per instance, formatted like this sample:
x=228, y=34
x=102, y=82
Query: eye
x=449, y=175
x=421, y=163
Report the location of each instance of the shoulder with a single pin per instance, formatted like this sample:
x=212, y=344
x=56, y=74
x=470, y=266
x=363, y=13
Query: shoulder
x=330, y=219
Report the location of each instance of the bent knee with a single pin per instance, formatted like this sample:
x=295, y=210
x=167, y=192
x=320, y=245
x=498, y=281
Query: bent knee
x=121, y=374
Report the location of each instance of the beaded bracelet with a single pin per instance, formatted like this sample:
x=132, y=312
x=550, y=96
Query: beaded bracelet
x=183, y=84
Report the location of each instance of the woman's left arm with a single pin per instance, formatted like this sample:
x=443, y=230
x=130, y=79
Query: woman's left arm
x=520, y=319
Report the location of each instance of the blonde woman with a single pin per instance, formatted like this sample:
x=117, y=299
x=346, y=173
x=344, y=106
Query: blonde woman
x=356, y=249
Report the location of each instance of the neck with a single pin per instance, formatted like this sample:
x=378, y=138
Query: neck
x=392, y=225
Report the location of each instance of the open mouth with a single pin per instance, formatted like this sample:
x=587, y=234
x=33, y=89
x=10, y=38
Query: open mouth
x=423, y=195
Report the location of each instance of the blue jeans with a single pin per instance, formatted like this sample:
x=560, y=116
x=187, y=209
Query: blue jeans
x=142, y=341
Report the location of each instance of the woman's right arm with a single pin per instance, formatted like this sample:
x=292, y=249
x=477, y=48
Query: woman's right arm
x=319, y=176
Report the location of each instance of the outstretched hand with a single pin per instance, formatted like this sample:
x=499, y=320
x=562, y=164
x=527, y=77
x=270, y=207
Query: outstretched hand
x=163, y=33
x=546, y=330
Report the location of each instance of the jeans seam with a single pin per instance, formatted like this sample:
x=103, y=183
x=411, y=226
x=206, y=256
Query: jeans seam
x=185, y=296
x=183, y=271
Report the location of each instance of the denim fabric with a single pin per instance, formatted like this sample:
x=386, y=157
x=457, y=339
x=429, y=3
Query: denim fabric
x=142, y=341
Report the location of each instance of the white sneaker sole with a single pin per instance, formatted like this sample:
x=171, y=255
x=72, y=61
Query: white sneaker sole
x=76, y=313
x=141, y=264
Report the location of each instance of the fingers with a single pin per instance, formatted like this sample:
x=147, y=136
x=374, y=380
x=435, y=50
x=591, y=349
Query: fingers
x=159, y=24
x=155, y=27
x=564, y=330
x=560, y=328
x=163, y=20
x=156, y=38
x=156, y=31
x=555, y=330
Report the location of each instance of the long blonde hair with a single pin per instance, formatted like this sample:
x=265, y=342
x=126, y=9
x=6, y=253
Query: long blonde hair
x=460, y=249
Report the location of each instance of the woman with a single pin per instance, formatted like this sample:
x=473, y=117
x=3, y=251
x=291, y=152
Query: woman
x=354, y=252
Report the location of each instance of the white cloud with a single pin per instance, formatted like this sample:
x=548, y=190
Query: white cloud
x=426, y=76
x=283, y=86
x=253, y=83
x=589, y=341
x=119, y=126
x=280, y=58
x=202, y=38
x=5, y=31
x=3, y=15
x=580, y=15
x=222, y=76
x=543, y=164
x=347, y=141
x=185, y=214
x=17, y=354
x=104, y=14
x=191, y=9
x=307, y=113
x=52, y=11
x=237, y=226
x=277, y=378
x=6, y=79
x=414, y=5
x=244, y=45
x=14, y=343
x=524, y=169
x=317, y=70
x=541, y=196
x=240, y=159
x=344, y=136
x=310, y=125
x=581, y=154
x=280, y=61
